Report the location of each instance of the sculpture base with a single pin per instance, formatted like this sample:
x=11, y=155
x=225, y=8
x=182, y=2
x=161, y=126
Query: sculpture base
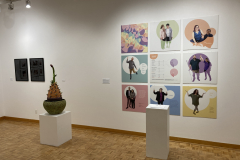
x=55, y=129
x=157, y=131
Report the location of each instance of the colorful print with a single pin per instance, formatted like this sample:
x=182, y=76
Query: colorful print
x=134, y=38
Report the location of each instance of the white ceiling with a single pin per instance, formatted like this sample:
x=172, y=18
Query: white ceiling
x=7, y=1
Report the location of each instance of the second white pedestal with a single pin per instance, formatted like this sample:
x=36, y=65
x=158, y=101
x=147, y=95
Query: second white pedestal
x=55, y=129
x=157, y=131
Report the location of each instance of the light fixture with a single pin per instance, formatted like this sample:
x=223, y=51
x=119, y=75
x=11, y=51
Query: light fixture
x=10, y=6
x=28, y=4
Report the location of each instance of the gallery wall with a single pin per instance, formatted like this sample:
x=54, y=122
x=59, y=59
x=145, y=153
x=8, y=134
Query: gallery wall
x=82, y=40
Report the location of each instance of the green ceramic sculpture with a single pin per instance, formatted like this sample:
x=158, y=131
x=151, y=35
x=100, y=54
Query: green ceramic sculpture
x=54, y=103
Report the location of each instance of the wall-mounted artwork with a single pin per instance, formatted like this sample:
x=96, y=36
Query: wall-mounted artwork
x=200, y=67
x=166, y=95
x=199, y=101
x=134, y=98
x=165, y=68
x=165, y=35
x=135, y=68
x=37, y=69
x=200, y=33
x=21, y=69
x=134, y=38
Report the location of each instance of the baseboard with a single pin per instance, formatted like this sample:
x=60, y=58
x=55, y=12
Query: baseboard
x=19, y=119
x=109, y=130
x=217, y=144
x=210, y=143
x=2, y=118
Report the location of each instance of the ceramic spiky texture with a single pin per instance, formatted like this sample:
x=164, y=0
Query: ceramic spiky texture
x=54, y=103
x=54, y=92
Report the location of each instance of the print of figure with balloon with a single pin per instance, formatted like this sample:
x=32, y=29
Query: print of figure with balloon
x=199, y=101
x=174, y=71
x=134, y=68
x=201, y=32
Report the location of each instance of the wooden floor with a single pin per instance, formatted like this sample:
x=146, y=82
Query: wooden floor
x=20, y=141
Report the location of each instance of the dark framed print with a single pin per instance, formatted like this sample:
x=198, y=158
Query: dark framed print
x=21, y=69
x=23, y=64
x=40, y=63
x=23, y=73
x=35, y=72
x=37, y=69
x=41, y=71
x=34, y=63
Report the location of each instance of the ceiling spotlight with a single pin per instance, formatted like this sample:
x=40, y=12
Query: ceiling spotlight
x=10, y=6
x=28, y=4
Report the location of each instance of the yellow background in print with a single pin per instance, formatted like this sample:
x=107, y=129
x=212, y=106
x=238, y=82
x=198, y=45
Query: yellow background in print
x=207, y=105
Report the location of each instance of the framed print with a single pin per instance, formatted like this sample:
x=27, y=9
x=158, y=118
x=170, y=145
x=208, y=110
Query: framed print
x=21, y=69
x=37, y=69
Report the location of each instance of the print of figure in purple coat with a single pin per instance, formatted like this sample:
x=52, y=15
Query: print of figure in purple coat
x=207, y=68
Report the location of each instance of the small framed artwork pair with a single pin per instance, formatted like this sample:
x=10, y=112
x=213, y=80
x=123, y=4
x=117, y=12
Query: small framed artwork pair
x=36, y=69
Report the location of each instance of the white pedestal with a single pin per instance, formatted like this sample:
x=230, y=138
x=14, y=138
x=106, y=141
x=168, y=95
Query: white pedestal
x=157, y=131
x=55, y=129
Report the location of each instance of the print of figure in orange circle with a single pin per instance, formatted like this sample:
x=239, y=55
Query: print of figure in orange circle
x=199, y=33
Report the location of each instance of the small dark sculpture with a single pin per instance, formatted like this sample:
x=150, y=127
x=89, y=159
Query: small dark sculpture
x=54, y=103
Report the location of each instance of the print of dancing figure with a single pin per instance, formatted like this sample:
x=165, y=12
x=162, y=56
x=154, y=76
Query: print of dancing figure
x=195, y=99
x=131, y=66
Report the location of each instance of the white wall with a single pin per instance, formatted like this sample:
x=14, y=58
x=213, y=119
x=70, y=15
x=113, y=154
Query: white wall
x=82, y=40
